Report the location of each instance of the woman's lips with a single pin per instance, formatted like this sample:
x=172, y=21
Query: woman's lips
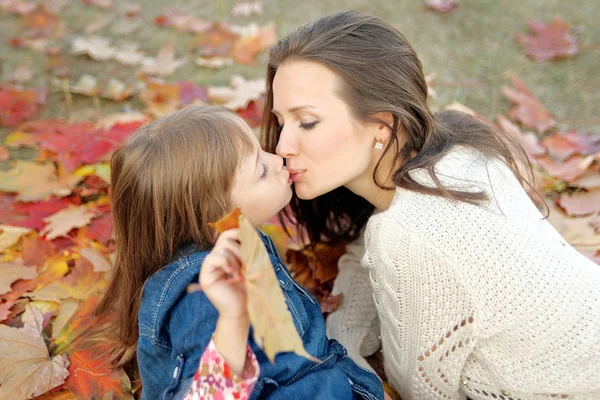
x=296, y=174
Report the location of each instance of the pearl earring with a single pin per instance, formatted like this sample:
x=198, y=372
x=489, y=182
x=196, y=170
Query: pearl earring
x=378, y=145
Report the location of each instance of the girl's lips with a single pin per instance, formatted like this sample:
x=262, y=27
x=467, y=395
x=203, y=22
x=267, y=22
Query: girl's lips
x=296, y=174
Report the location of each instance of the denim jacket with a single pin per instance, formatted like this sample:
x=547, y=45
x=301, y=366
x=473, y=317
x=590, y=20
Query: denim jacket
x=175, y=328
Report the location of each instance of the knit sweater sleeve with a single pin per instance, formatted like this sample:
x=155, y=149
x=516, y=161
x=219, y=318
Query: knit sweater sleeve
x=428, y=318
x=355, y=323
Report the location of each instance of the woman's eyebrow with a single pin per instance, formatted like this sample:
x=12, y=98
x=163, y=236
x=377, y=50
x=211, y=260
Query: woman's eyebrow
x=294, y=109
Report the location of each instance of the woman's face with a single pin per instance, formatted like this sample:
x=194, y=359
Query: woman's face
x=325, y=147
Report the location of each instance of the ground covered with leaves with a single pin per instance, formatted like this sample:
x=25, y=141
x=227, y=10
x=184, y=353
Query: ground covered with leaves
x=79, y=77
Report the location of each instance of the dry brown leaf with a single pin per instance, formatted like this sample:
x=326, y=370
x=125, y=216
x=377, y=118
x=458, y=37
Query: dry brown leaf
x=272, y=322
x=86, y=85
x=563, y=145
x=528, y=110
x=580, y=204
x=213, y=62
x=26, y=368
x=34, y=181
x=240, y=93
x=247, y=8
x=569, y=170
x=98, y=48
x=116, y=90
x=164, y=63
x=550, y=42
x=589, y=180
x=129, y=54
x=578, y=232
x=10, y=235
x=13, y=271
x=529, y=141
x=22, y=74
x=60, y=223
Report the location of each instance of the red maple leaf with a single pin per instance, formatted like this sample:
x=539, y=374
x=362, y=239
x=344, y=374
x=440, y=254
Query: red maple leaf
x=17, y=106
x=101, y=229
x=550, y=42
x=528, y=110
x=73, y=145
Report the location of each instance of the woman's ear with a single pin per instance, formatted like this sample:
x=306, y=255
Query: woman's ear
x=382, y=132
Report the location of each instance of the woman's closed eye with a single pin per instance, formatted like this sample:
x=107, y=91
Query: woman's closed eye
x=308, y=125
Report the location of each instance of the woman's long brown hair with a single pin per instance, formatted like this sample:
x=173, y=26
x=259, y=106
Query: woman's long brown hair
x=379, y=71
x=168, y=182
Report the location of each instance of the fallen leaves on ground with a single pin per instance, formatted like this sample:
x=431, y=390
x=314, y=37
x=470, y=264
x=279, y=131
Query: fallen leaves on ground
x=62, y=190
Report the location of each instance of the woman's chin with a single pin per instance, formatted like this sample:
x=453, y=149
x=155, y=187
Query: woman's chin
x=304, y=192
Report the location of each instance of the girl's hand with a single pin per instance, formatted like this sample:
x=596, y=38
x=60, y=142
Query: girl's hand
x=220, y=276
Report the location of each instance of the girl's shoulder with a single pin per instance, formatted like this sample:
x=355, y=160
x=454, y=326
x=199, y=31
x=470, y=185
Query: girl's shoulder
x=165, y=288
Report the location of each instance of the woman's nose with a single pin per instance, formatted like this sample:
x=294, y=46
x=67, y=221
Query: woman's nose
x=287, y=145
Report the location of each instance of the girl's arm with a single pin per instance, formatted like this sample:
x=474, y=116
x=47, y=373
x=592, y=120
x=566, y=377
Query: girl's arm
x=228, y=366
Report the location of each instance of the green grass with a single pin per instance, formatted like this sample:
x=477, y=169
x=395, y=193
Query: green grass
x=471, y=51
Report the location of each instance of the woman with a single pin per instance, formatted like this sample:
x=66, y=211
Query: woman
x=477, y=295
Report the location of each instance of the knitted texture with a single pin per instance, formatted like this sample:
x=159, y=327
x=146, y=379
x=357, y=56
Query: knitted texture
x=488, y=301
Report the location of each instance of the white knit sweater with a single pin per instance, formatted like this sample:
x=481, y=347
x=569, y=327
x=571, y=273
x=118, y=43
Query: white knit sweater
x=487, y=301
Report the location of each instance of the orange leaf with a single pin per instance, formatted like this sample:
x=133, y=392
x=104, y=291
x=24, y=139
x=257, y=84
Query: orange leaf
x=92, y=378
x=230, y=221
x=218, y=41
x=80, y=284
x=550, y=42
x=529, y=111
x=249, y=46
x=54, y=268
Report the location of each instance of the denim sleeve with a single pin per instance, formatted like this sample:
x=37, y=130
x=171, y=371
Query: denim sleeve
x=153, y=362
x=192, y=323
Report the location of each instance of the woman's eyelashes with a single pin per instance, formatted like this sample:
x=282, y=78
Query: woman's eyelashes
x=303, y=125
x=265, y=171
x=308, y=125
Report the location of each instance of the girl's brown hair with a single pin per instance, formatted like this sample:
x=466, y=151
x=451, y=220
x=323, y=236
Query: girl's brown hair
x=379, y=71
x=170, y=180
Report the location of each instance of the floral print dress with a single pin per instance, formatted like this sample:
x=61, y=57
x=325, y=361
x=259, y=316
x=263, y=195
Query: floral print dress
x=214, y=379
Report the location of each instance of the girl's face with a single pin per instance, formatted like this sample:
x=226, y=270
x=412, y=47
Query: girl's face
x=325, y=147
x=262, y=185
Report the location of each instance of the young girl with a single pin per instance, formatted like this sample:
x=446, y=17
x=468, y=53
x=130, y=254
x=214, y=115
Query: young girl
x=169, y=181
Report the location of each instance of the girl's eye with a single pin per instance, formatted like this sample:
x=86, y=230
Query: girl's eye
x=308, y=125
x=265, y=171
x=279, y=129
